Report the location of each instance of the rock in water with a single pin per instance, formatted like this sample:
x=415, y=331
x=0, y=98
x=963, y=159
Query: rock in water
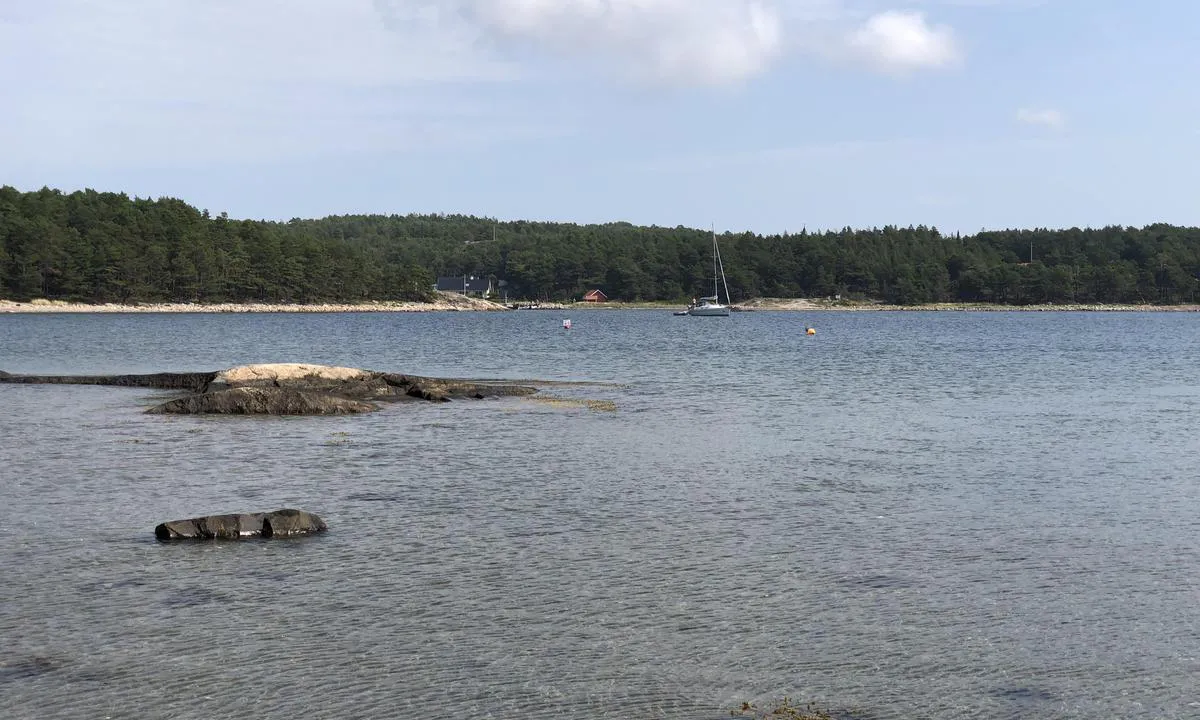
x=282, y=374
x=193, y=381
x=263, y=401
x=288, y=389
x=212, y=527
x=286, y=522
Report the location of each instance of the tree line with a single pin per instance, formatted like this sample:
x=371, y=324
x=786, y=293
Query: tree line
x=107, y=247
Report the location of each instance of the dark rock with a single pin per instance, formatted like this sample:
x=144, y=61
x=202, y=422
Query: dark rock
x=286, y=522
x=263, y=401
x=288, y=389
x=442, y=389
x=212, y=527
x=195, y=382
x=427, y=392
x=370, y=386
x=479, y=390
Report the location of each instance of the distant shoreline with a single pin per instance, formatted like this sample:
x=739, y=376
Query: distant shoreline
x=454, y=303
x=806, y=305
x=986, y=307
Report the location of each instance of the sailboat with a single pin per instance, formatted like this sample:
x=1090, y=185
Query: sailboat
x=711, y=306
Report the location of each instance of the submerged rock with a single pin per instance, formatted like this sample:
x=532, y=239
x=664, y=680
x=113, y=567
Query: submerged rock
x=21, y=668
x=286, y=522
x=443, y=389
x=195, y=381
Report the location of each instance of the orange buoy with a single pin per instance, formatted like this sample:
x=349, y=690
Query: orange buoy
x=810, y=331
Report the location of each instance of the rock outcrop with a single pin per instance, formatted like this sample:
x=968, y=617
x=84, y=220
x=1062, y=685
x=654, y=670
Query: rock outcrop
x=195, y=382
x=288, y=389
x=262, y=401
x=286, y=522
x=276, y=373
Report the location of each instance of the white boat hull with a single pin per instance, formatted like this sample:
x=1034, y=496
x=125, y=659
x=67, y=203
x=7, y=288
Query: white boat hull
x=709, y=311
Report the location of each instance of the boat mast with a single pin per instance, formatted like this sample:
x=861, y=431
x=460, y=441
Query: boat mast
x=716, y=295
x=721, y=263
x=718, y=266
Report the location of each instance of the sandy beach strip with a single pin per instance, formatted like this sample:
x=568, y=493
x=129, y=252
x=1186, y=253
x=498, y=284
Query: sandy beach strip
x=457, y=303
x=801, y=304
x=823, y=305
x=986, y=307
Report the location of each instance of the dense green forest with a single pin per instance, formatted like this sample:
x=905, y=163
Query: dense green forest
x=108, y=247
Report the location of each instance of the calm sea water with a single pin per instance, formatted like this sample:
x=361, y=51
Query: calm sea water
x=908, y=515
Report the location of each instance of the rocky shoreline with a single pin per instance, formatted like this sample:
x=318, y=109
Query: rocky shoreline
x=450, y=302
x=798, y=304
x=445, y=302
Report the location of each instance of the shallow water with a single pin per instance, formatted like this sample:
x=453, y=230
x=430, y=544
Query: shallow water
x=949, y=515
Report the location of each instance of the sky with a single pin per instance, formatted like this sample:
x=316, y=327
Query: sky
x=760, y=115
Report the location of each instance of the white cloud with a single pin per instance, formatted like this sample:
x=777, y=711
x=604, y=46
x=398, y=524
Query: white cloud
x=700, y=42
x=132, y=83
x=141, y=82
x=1045, y=117
x=693, y=42
x=900, y=42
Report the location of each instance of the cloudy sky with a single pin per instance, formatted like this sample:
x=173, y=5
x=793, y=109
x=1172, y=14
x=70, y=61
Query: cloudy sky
x=766, y=115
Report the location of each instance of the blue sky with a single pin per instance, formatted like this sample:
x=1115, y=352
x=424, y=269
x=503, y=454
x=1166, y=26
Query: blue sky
x=766, y=115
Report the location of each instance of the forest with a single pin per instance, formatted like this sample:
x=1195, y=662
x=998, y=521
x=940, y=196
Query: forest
x=90, y=246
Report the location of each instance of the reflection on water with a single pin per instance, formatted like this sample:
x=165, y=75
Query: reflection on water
x=908, y=515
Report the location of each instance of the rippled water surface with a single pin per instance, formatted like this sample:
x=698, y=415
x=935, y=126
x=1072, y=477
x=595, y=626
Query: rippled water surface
x=908, y=515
